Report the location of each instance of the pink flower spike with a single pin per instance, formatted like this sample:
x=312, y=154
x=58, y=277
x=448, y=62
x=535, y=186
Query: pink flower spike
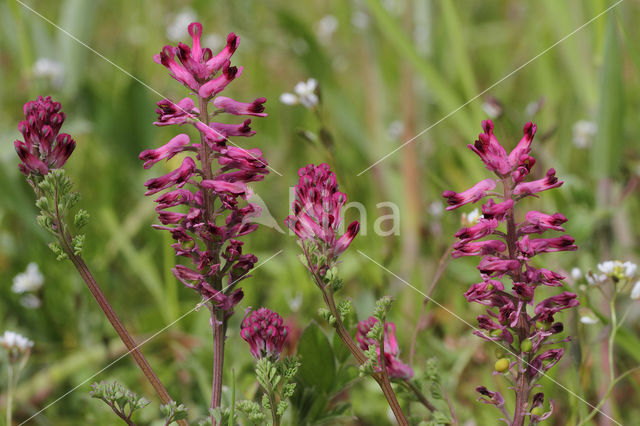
x=471, y=195
x=43, y=147
x=230, y=106
x=521, y=151
x=529, y=188
x=214, y=64
x=167, y=151
x=265, y=332
x=490, y=151
x=217, y=85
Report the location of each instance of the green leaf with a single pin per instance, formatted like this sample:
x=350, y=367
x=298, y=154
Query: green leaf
x=340, y=349
x=607, y=145
x=317, y=358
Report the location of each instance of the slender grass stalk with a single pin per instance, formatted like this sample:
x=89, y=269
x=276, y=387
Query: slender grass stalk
x=10, y=385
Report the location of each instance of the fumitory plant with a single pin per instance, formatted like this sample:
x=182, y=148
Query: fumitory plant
x=209, y=185
x=43, y=153
x=507, y=252
x=316, y=220
x=266, y=334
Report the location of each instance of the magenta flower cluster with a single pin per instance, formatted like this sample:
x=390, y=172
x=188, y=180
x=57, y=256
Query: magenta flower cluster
x=265, y=332
x=43, y=148
x=317, y=216
x=211, y=216
x=507, y=246
x=395, y=368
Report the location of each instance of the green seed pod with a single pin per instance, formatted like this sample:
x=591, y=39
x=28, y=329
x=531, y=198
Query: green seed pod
x=526, y=346
x=501, y=365
x=537, y=411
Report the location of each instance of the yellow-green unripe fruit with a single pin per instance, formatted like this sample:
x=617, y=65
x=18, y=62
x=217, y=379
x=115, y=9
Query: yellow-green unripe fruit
x=537, y=411
x=526, y=346
x=501, y=365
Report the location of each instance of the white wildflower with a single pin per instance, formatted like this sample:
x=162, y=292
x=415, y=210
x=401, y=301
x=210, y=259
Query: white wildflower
x=51, y=69
x=326, y=27
x=576, y=274
x=305, y=94
x=618, y=270
x=492, y=108
x=15, y=344
x=30, y=280
x=586, y=319
x=583, y=133
x=360, y=20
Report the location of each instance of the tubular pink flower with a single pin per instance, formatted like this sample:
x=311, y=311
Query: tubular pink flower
x=168, y=151
x=497, y=267
x=490, y=151
x=471, y=195
x=232, y=188
x=227, y=130
x=265, y=332
x=215, y=63
x=178, y=177
x=166, y=58
x=255, y=108
x=395, y=367
x=521, y=152
x=43, y=147
x=180, y=113
x=218, y=84
x=483, y=228
x=530, y=248
x=482, y=292
x=491, y=210
x=546, y=309
x=478, y=248
x=538, y=222
x=533, y=187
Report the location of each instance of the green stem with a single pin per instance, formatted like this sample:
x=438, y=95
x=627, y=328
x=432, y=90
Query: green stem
x=596, y=409
x=612, y=337
x=274, y=407
x=82, y=268
x=10, y=385
x=343, y=333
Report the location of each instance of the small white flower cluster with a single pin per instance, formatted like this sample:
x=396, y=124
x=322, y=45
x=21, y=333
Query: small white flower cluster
x=617, y=271
x=15, y=344
x=30, y=280
x=305, y=94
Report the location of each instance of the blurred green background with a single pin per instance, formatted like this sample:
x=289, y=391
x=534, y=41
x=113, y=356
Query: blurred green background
x=387, y=70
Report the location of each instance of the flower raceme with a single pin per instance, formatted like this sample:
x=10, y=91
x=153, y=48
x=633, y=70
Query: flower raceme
x=395, y=368
x=316, y=216
x=43, y=148
x=205, y=233
x=265, y=332
x=509, y=253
